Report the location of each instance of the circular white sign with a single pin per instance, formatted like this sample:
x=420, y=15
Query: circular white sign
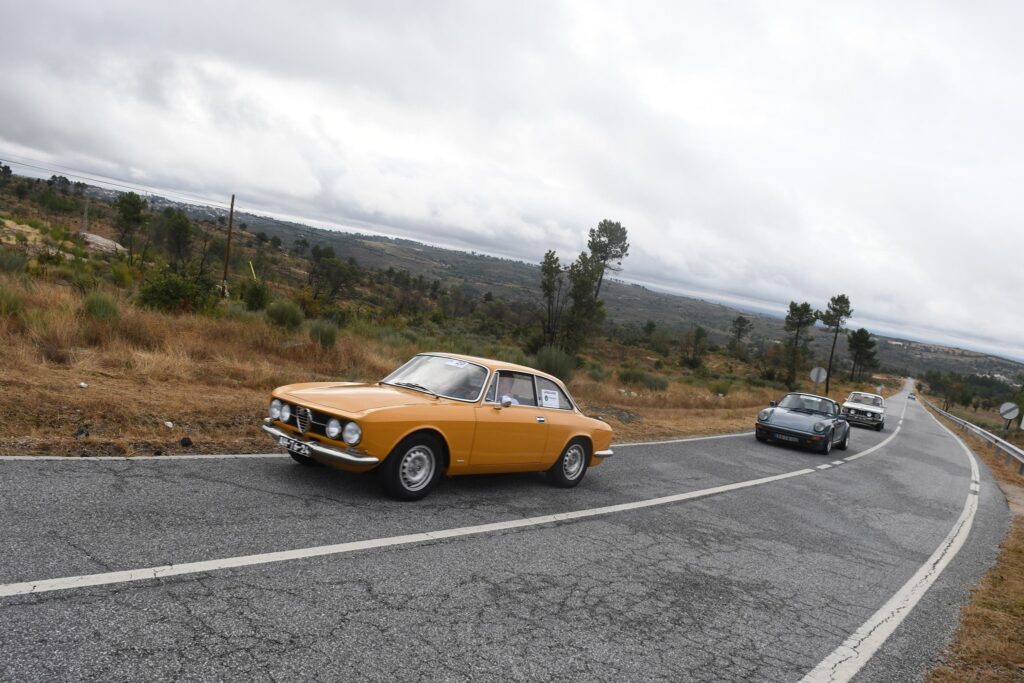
x=818, y=375
x=1009, y=411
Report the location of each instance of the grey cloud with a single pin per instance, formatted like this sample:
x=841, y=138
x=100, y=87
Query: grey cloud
x=787, y=151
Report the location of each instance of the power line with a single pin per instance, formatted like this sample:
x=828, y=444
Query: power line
x=80, y=174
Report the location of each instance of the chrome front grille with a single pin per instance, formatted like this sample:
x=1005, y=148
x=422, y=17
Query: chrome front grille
x=303, y=418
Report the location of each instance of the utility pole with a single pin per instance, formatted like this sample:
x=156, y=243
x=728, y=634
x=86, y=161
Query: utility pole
x=227, y=250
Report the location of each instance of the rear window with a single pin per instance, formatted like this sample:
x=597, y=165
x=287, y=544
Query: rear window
x=551, y=395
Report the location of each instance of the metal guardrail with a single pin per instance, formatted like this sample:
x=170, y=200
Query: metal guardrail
x=999, y=446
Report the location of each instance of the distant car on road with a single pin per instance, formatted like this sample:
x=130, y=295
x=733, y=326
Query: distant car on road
x=912, y=397
x=440, y=414
x=804, y=420
x=865, y=409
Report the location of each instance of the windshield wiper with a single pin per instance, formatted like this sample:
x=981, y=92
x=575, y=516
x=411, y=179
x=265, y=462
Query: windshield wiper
x=417, y=387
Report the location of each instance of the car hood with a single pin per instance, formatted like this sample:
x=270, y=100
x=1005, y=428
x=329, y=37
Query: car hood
x=782, y=417
x=863, y=406
x=351, y=398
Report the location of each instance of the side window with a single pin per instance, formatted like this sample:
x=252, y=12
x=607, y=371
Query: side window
x=551, y=396
x=517, y=385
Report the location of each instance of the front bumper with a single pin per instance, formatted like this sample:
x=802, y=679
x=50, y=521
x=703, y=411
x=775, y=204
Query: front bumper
x=320, y=452
x=604, y=454
x=854, y=418
x=765, y=431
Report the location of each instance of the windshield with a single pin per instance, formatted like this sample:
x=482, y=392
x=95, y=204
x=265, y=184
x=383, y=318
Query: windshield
x=866, y=399
x=441, y=376
x=808, y=404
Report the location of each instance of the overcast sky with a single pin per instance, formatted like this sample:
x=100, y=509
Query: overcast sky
x=757, y=150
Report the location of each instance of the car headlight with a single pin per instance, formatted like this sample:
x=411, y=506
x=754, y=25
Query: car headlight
x=846, y=410
x=819, y=427
x=352, y=434
x=286, y=412
x=764, y=415
x=333, y=428
x=275, y=409
x=870, y=414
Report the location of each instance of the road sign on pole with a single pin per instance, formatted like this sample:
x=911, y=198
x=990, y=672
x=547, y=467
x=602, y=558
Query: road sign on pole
x=1009, y=411
x=818, y=376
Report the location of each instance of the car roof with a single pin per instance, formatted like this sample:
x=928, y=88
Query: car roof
x=866, y=393
x=492, y=364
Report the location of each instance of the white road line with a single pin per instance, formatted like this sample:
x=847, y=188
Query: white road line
x=838, y=462
x=685, y=440
x=847, y=659
x=230, y=456
x=68, y=582
x=823, y=467
x=875, y=447
x=105, y=458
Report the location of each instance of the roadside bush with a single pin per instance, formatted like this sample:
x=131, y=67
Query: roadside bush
x=721, y=386
x=12, y=261
x=256, y=295
x=285, y=314
x=168, y=291
x=323, y=333
x=121, y=274
x=11, y=305
x=555, y=361
x=644, y=379
x=101, y=307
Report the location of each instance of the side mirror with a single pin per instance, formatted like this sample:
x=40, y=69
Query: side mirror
x=506, y=401
x=772, y=404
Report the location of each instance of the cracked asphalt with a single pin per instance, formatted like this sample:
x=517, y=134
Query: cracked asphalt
x=759, y=583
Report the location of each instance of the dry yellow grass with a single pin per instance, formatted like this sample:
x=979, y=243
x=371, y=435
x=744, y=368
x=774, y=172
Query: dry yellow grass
x=989, y=645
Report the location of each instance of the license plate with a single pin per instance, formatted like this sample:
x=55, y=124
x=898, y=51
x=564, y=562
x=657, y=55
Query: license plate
x=293, y=445
x=786, y=437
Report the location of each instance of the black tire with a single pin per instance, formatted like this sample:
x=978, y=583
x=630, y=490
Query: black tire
x=762, y=439
x=571, y=465
x=845, y=442
x=826, y=447
x=413, y=467
x=880, y=427
x=303, y=459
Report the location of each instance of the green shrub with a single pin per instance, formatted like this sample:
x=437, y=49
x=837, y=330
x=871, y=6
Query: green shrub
x=101, y=307
x=12, y=261
x=644, y=379
x=11, y=305
x=122, y=274
x=597, y=373
x=169, y=291
x=721, y=386
x=285, y=314
x=323, y=333
x=256, y=295
x=555, y=361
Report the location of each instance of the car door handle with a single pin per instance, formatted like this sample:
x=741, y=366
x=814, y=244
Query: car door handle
x=540, y=418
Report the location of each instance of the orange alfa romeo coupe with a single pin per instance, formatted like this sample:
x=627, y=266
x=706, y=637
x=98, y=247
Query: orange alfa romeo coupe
x=440, y=414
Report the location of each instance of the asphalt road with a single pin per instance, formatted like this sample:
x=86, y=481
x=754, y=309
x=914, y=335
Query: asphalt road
x=763, y=581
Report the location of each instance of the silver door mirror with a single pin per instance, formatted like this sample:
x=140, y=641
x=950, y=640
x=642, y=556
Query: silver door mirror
x=771, y=404
x=506, y=401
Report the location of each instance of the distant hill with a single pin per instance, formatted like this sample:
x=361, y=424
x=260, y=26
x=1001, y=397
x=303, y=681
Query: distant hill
x=626, y=303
